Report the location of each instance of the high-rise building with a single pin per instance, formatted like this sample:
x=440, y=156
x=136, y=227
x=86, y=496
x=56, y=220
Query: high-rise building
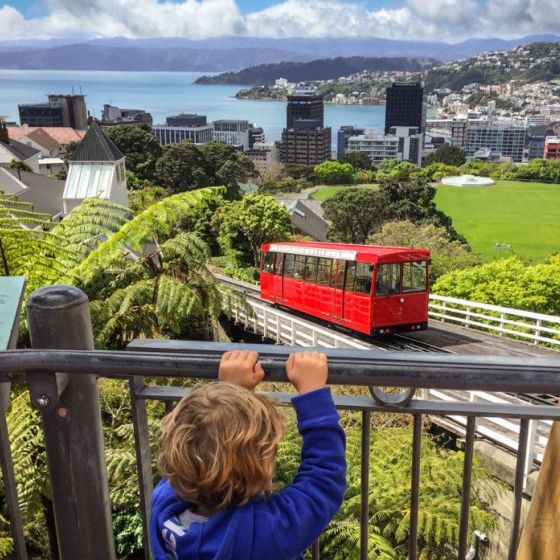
x=502, y=138
x=342, y=136
x=184, y=119
x=535, y=143
x=232, y=132
x=59, y=110
x=256, y=135
x=405, y=105
x=305, y=140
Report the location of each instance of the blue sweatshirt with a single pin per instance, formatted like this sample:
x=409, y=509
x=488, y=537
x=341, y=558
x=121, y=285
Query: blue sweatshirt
x=276, y=527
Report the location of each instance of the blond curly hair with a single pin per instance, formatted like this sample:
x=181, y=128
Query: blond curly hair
x=218, y=446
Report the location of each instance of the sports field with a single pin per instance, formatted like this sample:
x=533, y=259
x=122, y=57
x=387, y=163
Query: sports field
x=525, y=216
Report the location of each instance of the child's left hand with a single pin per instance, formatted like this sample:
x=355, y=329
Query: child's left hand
x=241, y=368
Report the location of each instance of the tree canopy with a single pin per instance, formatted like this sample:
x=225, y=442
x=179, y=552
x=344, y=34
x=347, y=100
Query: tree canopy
x=334, y=173
x=354, y=214
x=139, y=145
x=450, y=155
x=244, y=225
x=359, y=161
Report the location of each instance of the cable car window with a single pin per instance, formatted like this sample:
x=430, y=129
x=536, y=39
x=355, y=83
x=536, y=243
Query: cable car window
x=340, y=275
x=324, y=272
x=268, y=262
x=289, y=265
x=310, y=272
x=414, y=276
x=388, y=279
x=279, y=263
x=364, y=274
x=299, y=266
x=350, y=276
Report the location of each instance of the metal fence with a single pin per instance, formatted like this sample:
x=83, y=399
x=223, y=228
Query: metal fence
x=61, y=336
x=537, y=328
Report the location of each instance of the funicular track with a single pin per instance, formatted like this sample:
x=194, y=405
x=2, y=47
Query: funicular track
x=500, y=431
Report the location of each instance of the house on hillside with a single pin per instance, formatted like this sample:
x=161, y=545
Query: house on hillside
x=96, y=168
x=11, y=150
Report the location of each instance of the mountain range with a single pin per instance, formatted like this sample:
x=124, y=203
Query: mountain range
x=227, y=53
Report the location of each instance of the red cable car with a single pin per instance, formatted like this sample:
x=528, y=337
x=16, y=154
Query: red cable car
x=369, y=289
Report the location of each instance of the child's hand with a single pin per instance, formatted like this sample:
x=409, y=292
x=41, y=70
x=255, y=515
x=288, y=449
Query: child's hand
x=241, y=368
x=307, y=370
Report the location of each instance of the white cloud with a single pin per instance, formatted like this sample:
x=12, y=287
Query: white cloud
x=450, y=20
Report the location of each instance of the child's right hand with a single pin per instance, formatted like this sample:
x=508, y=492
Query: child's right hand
x=307, y=371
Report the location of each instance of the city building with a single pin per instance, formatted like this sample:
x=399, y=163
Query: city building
x=11, y=150
x=96, y=168
x=187, y=119
x=263, y=151
x=535, y=142
x=305, y=140
x=59, y=110
x=378, y=148
x=176, y=134
x=505, y=139
x=410, y=145
x=459, y=127
x=256, y=135
x=552, y=147
x=342, y=136
x=232, y=132
x=115, y=115
x=405, y=105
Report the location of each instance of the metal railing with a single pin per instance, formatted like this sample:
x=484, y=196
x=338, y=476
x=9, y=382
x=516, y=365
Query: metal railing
x=503, y=321
x=60, y=331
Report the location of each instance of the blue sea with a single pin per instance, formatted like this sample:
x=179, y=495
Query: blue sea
x=164, y=94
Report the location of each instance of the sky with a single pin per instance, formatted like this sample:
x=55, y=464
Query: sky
x=437, y=20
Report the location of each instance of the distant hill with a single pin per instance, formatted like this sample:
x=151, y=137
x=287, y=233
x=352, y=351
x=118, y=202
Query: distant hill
x=527, y=63
x=324, y=69
x=222, y=54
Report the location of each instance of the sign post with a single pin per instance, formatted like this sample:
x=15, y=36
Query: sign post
x=12, y=289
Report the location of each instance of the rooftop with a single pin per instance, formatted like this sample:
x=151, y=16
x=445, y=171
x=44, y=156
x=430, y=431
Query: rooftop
x=96, y=146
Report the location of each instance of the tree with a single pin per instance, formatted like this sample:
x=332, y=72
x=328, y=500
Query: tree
x=360, y=161
x=354, y=214
x=227, y=166
x=139, y=145
x=20, y=165
x=394, y=169
x=446, y=254
x=244, y=225
x=412, y=199
x=299, y=171
x=140, y=199
x=181, y=168
x=69, y=150
x=334, y=173
x=450, y=155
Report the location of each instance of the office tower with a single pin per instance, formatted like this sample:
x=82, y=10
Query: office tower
x=232, y=132
x=405, y=106
x=184, y=119
x=59, y=110
x=501, y=139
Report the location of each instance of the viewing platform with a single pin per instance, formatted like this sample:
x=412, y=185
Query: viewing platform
x=60, y=331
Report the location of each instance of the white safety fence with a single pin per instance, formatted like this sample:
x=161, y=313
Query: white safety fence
x=503, y=321
x=283, y=328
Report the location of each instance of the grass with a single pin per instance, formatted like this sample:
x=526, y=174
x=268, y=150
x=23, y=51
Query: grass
x=525, y=216
x=324, y=193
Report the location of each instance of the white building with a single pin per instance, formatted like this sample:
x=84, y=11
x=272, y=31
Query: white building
x=96, y=169
x=232, y=132
x=502, y=138
x=411, y=142
x=263, y=151
x=378, y=148
x=175, y=134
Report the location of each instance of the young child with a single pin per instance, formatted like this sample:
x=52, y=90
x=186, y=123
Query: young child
x=217, y=455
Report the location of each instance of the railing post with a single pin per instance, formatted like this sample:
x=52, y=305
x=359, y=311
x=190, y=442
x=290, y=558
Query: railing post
x=531, y=450
x=59, y=318
x=537, y=331
x=502, y=317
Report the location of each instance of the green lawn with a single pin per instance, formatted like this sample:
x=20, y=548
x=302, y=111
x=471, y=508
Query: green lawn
x=324, y=193
x=523, y=215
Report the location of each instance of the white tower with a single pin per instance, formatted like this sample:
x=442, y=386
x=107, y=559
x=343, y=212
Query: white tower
x=96, y=169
